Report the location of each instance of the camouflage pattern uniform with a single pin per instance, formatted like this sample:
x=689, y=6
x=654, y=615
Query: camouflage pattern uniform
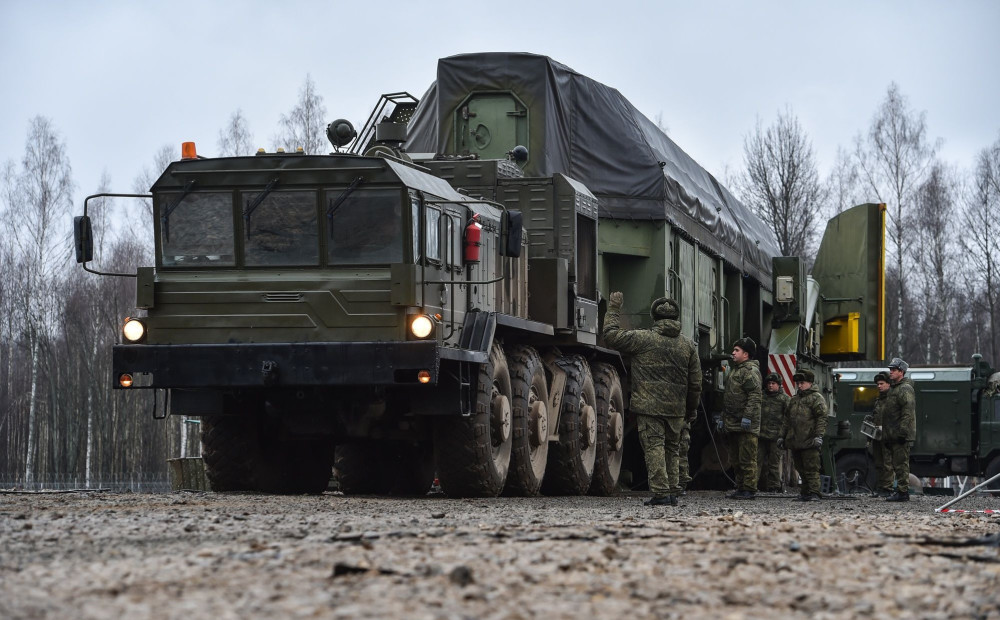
x=880, y=452
x=742, y=400
x=666, y=387
x=772, y=418
x=899, y=430
x=805, y=420
x=683, y=467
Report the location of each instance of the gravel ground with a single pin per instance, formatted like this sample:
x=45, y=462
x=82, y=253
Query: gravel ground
x=204, y=555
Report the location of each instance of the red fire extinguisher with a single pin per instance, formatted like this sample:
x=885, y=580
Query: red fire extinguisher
x=473, y=234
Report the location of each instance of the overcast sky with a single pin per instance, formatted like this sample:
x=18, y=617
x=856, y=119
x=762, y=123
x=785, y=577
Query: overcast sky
x=121, y=79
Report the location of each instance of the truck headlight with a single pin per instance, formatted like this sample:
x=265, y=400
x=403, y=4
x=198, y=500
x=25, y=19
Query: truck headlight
x=133, y=330
x=422, y=326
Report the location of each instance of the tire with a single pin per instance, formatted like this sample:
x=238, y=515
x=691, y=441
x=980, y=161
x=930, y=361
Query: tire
x=610, y=430
x=992, y=470
x=228, y=447
x=529, y=435
x=859, y=471
x=360, y=469
x=570, y=466
x=472, y=453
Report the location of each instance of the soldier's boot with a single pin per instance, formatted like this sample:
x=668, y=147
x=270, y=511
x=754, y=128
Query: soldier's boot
x=882, y=493
x=744, y=495
x=899, y=496
x=667, y=500
x=807, y=497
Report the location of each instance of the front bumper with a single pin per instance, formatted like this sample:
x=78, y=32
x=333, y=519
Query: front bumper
x=275, y=365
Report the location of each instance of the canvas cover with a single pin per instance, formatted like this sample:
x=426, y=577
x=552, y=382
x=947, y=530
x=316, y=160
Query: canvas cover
x=589, y=131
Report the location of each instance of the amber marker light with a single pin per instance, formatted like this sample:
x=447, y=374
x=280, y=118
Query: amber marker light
x=424, y=376
x=125, y=380
x=188, y=151
x=422, y=326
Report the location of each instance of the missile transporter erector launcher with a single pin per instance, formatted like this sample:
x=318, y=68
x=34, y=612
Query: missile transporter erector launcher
x=428, y=302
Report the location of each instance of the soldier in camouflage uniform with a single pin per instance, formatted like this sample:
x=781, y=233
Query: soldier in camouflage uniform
x=772, y=417
x=666, y=387
x=741, y=418
x=805, y=425
x=880, y=453
x=899, y=427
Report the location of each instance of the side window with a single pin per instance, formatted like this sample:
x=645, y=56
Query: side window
x=415, y=219
x=864, y=399
x=432, y=228
x=454, y=240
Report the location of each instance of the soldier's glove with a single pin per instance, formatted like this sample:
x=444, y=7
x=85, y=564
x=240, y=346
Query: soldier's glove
x=781, y=443
x=745, y=424
x=817, y=442
x=718, y=423
x=615, y=300
x=692, y=416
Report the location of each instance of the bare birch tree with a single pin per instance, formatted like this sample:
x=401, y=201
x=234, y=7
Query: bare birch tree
x=141, y=228
x=38, y=199
x=305, y=125
x=893, y=160
x=844, y=188
x=235, y=138
x=780, y=182
x=936, y=261
x=981, y=239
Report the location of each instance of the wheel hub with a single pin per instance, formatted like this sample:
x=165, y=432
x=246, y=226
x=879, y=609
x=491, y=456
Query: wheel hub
x=616, y=430
x=589, y=419
x=538, y=423
x=500, y=417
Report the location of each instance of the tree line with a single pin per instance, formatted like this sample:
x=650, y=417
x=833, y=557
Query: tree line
x=59, y=416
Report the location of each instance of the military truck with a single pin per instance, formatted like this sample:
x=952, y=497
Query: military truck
x=432, y=307
x=958, y=422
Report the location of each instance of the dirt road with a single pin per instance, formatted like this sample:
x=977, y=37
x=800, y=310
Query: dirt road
x=203, y=555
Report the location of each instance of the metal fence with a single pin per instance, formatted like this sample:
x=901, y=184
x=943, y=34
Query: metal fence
x=135, y=483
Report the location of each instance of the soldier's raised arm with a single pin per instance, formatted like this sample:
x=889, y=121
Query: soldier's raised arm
x=624, y=340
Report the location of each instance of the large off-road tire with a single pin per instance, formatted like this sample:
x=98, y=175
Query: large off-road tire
x=473, y=453
x=570, y=466
x=228, y=449
x=530, y=432
x=610, y=429
x=360, y=469
x=859, y=471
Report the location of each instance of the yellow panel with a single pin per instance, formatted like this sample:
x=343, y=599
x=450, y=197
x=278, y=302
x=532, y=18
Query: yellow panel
x=840, y=335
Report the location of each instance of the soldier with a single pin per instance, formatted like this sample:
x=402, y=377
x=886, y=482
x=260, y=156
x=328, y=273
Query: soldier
x=666, y=388
x=741, y=418
x=805, y=425
x=772, y=416
x=899, y=428
x=883, y=466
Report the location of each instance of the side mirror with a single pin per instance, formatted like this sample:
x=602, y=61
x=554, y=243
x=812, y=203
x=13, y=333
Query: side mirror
x=511, y=233
x=83, y=238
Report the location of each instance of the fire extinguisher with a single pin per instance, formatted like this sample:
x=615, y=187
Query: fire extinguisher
x=473, y=234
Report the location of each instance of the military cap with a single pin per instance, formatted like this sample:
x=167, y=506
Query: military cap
x=747, y=344
x=772, y=377
x=804, y=374
x=664, y=308
x=897, y=362
x=881, y=377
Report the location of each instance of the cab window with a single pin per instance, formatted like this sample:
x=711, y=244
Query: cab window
x=864, y=398
x=281, y=230
x=366, y=227
x=196, y=229
x=432, y=230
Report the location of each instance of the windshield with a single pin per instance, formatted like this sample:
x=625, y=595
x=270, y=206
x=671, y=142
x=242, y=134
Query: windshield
x=199, y=229
x=366, y=228
x=282, y=229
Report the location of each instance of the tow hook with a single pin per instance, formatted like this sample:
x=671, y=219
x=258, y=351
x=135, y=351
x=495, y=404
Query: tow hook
x=269, y=372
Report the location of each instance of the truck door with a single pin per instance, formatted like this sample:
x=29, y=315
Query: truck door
x=850, y=270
